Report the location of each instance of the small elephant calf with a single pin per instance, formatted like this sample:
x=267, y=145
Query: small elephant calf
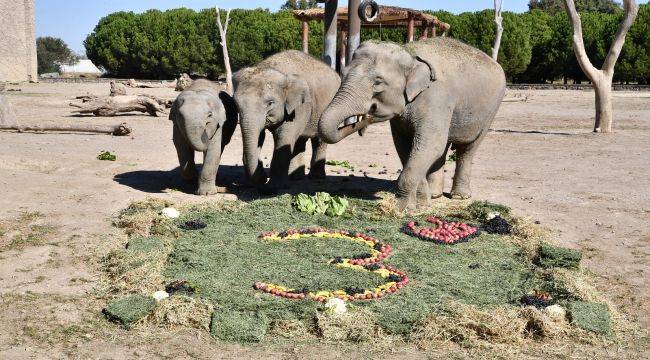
x=204, y=119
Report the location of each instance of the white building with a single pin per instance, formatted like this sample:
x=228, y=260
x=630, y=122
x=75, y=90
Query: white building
x=83, y=68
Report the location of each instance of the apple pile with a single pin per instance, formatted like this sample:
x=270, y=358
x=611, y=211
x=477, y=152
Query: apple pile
x=444, y=232
x=367, y=262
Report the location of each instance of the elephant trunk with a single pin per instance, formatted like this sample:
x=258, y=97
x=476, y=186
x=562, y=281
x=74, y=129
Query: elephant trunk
x=253, y=138
x=348, y=102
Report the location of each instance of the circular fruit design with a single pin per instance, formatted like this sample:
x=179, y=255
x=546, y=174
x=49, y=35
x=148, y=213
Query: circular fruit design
x=368, y=262
x=444, y=232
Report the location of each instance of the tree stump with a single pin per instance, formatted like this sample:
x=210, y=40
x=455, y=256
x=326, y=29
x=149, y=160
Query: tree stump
x=183, y=82
x=112, y=105
x=117, y=89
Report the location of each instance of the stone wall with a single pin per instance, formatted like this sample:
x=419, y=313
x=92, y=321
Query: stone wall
x=18, y=41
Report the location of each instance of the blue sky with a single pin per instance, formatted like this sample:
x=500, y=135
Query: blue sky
x=73, y=20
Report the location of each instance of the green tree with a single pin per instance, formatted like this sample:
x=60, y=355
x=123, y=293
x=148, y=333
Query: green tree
x=634, y=63
x=540, y=68
x=52, y=53
x=299, y=4
x=555, y=6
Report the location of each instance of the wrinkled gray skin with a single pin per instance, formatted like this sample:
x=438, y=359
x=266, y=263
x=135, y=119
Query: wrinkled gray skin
x=435, y=93
x=204, y=120
x=286, y=94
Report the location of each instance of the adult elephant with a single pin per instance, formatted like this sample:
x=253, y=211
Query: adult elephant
x=286, y=94
x=435, y=93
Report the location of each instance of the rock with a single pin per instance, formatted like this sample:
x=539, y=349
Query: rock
x=7, y=115
x=556, y=313
x=170, y=213
x=183, y=82
x=117, y=89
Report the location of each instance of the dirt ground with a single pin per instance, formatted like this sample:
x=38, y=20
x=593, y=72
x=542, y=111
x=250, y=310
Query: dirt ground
x=591, y=190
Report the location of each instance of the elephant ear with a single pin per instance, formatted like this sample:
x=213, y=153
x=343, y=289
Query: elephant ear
x=232, y=117
x=419, y=78
x=298, y=96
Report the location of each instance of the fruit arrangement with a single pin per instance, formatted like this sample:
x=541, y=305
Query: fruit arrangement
x=197, y=224
x=368, y=262
x=444, y=232
x=538, y=299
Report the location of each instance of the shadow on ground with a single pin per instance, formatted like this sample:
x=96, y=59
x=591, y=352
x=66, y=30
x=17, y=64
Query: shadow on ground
x=232, y=178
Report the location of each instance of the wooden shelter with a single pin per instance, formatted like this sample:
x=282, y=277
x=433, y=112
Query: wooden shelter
x=388, y=16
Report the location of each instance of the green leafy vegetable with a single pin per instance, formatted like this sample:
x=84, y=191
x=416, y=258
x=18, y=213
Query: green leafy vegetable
x=106, y=156
x=321, y=203
x=342, y=163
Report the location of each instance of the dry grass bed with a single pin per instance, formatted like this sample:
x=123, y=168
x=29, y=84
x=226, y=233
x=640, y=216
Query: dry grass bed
x=469, y=294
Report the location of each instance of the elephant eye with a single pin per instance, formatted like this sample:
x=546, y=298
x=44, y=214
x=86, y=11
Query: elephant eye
x=379, y=85
x=270, y=103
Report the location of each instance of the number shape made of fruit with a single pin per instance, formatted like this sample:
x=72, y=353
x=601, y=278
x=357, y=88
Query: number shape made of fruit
x=444, y=232
x=371, y=262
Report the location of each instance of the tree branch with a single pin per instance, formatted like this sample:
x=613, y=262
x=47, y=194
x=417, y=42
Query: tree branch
x=223, y=32
x=578, y=42
x=631, y=11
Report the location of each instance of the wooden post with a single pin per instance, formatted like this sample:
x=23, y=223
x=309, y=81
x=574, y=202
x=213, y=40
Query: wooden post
x=411, y=29
x=354, y=28
x=424, y=32
x=331, y=22
x=342, y=49
x=305, y=37
x=433, y=31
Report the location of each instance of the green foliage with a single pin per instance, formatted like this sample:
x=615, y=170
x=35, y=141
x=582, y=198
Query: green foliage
x=241, y=327
x=130, y=309
x=106, y=156
x=299, y=4
x=342, y=163
x=591, y=317
x=145, y=244
x=554, y=256
x=52, y=53
x=321, y=203
x=555, y=6
x=536, y=45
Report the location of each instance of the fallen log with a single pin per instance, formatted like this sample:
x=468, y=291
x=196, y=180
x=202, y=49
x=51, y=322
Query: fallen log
x=135, y=84
x=116, y=130
x=112, y=105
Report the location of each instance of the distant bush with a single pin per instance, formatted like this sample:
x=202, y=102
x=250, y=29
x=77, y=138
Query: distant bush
x=536, y=45
x=52, y=53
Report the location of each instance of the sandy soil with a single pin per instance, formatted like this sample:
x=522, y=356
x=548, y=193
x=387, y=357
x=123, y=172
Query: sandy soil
x=592, y=191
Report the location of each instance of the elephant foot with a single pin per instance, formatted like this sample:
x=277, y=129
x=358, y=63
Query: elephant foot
x=189, y=175
x=205, y=190
x=404, y=205
x=320, y=174
x=460, y=194
x=297, y=176
x=436, y=196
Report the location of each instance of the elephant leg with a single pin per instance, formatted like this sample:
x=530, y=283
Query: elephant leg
x=403, y=141
x=464, y=157
x=284, y=147
x=436, y=176
x=211, y=159
x=297, y=164
x=185, y=156
x=318, y=158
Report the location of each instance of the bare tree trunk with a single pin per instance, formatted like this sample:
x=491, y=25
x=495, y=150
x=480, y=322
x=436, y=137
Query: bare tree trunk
x=223, y=32
x=498, y=20
x=601, y=78
x=111, y=106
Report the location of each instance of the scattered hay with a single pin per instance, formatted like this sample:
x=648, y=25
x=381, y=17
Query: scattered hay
x=184, y=311
x=25, y=230
x=141, y=216
x=355, y=326
x=129, y=310
x=528, y=236
x=467, y=324
x=539, y=325
x=574, y=285
x=292, y=329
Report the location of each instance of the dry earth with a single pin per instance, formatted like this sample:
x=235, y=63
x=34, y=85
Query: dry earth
x=592, y=191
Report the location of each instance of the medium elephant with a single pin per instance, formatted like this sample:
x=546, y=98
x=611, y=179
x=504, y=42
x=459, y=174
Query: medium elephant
x=286, y=94
x=204, y=120
x=435, y=93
